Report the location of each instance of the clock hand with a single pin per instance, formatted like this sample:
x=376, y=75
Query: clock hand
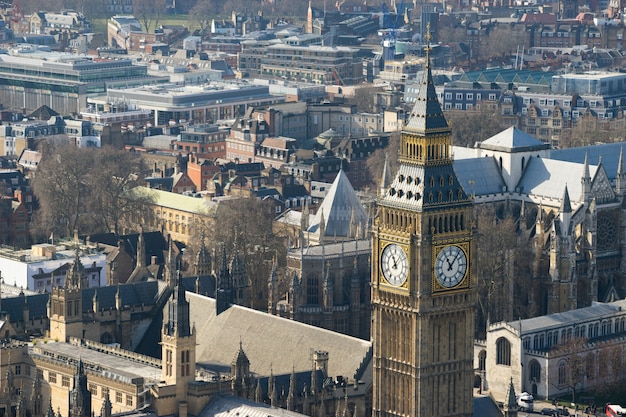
x=395, y=264
x=453, y=261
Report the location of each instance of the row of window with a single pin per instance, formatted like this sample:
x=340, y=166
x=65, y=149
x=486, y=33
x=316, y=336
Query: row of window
x=592, y=330
x=470, y=96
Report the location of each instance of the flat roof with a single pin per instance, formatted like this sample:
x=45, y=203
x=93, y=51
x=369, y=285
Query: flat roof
x=113, y=366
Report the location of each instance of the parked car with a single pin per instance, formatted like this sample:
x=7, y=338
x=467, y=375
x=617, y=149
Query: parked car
x=547, y=411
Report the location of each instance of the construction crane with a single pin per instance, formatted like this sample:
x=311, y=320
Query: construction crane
x=390, y=29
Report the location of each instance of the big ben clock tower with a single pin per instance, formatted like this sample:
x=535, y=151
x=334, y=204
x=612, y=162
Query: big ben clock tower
x=423, y=297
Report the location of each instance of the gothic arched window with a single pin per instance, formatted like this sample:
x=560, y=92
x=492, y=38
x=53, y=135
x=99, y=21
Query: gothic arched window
x=535, y=372
x=503, y=352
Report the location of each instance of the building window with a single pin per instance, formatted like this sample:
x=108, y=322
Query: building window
x=104, y=392
x=65, y=381
x=535, y=372
x=503, y=352
x=312, y=290
x=129, y=400
x=118, y=397
x=562, y=372
x=52, y=377
x=93, y=388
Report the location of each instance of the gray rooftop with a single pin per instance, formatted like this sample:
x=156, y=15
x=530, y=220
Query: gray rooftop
x=513, y=140
x=226, y=406
x=338, y=208
x=548, y=178
x=114, y=366
x=479, y=176
x=607, y=152
x=569, y=318
x=333, y=249
x=272, y=344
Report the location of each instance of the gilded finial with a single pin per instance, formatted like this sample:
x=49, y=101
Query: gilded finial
x=428, y=38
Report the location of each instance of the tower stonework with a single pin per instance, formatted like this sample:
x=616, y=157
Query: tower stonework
x=178, y=341
x=422, y=291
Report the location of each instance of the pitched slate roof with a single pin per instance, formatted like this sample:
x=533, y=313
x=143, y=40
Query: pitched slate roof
x=338, y=207
x=479, y=176
x=273, y=344
x=513, y=140
x=37, y=306
x=137, y=294
x=548, y=178
x=608, y=152
x=154, y=243
x=577, y=316
x=426, y=115
x=226, y=406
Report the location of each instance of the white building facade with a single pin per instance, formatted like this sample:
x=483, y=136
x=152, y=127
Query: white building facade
x=43, y=266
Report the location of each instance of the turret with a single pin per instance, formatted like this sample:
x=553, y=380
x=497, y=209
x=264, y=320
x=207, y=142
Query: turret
x=80, y=396
x=272, y=284
x=586, y=181
x=565, y=213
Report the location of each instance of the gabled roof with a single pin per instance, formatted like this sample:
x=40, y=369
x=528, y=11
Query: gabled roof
x=273, y=344
x=548, y=178
x=568, y=318
x=337, y=209
x=513, y=140
x=479, y=176
x=608, y=152
x=43, y=113
x=226, y=406
x=136, y=294
x=37, y=306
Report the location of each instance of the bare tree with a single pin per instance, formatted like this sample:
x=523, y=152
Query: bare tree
x=503, y=40
x=116, y=172
x=62, y=191
x=589, y=130
x=376, y=161
x=610, y=369
x=200, y=14
x=571, y=362
x=149, y=12
x=363, y=99
x=83, y=189
x=471, y=126
x=245, y=224
x=502, y=267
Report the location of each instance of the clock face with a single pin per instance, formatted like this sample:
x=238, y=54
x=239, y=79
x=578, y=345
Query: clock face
x=394, y=264
x=450, y=266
